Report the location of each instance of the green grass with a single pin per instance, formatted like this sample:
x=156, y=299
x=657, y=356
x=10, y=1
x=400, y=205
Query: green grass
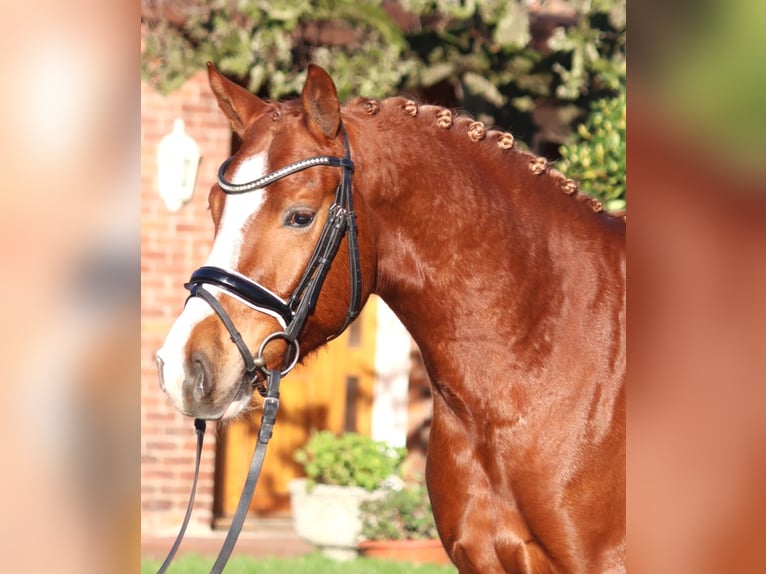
x=308, y=564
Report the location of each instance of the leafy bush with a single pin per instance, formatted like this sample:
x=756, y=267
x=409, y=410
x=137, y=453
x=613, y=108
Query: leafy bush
x=481, y=52
x=400, y=515
x=350, y=459
x=597, y=158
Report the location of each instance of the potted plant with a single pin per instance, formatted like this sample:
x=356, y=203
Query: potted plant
x=400, y=525
x=342, y=471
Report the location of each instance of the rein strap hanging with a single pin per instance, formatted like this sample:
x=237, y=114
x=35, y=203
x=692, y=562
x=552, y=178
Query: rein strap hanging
x=199, y=427
x=268, y=419
x=270, y=408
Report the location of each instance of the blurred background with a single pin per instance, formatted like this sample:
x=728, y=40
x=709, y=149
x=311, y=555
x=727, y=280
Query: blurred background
x=75, y=193
x=697, y=279
x=70, y=108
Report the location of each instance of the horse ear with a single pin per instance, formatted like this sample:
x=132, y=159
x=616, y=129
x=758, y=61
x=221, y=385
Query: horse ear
x=320, y=103
x=239, y=105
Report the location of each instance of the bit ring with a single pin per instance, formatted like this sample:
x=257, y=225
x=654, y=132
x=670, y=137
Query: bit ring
x=261, y=362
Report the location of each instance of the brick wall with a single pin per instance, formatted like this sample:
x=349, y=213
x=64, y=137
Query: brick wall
x=172, y=246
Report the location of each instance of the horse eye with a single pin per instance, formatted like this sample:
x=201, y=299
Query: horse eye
x=301, y=218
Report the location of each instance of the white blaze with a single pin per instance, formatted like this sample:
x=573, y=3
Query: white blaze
x=238, y=210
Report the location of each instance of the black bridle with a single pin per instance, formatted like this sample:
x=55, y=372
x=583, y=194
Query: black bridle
x=292, y=315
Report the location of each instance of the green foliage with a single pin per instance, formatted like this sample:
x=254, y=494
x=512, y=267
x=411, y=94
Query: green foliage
x=478, y=49
x=482, y=48
x=267, y=46
x=350, y=459
x=403, y=514
x=597, y=158
x=711, y=78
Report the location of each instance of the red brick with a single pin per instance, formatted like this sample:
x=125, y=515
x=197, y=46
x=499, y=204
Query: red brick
x=172, y=245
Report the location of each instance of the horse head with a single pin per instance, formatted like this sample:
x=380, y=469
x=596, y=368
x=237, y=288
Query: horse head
x=282, y=214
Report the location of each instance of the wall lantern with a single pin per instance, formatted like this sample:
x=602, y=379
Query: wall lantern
x=178, y=158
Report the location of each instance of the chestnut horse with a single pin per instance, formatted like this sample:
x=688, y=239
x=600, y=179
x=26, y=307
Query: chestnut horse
x=511, y=282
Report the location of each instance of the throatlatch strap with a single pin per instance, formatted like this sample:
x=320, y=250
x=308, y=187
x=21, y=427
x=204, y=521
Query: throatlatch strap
x=199, y=426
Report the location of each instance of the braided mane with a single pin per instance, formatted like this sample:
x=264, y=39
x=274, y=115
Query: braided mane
x=477, y=132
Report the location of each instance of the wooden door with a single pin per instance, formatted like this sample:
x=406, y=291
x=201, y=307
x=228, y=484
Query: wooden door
x=332, y=390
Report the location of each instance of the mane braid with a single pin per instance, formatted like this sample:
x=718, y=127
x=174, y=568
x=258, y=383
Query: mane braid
x=477, y=132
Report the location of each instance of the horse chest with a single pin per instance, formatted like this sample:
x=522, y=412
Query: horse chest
x=493, y=515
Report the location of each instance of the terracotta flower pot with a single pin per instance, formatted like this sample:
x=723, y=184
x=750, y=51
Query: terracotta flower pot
x=416, y=551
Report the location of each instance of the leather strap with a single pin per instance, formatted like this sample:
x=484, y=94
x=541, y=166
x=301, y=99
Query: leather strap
x=250, y=291
x=270, y=408
x=251, y=366
x=266, y=431
x=341, y=222
x=268, y=179
x=199, y=427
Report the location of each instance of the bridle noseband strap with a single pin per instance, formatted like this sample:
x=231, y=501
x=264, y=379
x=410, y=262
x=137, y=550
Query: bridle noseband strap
x=253, y=293
x=251, y=366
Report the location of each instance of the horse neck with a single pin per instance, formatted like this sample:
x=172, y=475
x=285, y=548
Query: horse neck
x=479, y=254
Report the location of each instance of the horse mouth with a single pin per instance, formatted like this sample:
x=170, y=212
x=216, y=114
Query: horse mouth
x=238, y=404
x=243, y=396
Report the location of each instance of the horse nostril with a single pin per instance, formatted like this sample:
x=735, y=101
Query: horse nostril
x=201, y=379
x=160, y=365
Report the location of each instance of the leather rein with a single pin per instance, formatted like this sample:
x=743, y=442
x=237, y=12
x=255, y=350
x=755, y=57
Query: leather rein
x=292, y=314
